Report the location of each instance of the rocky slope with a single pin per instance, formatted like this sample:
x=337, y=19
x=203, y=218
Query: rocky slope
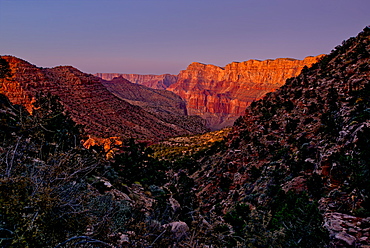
x=298, y=159
x=88, y=101
x=153, y=100
x=221, y=94
x=164, y=104
x=151, y=81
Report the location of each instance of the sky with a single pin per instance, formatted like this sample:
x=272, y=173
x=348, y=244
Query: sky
x=165, y=36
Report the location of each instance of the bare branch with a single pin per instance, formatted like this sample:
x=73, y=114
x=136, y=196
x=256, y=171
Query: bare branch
x=6, y=230
x=158, y=237
x=9, y=166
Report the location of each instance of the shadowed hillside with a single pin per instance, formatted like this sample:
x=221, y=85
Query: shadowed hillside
x=165, y=105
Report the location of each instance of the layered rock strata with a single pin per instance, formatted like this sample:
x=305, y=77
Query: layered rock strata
x=221, y=94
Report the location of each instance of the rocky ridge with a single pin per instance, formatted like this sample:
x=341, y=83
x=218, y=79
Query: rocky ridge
x=88, y=101
x=153, y=100
x=152, y=81
x=221, y=94
x=164, y=104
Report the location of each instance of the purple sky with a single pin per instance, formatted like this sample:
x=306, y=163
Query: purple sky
x=164, y=36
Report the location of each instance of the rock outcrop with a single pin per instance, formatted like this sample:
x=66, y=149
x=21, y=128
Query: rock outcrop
x=152, y=81
x=221, y=94
x=88, y=101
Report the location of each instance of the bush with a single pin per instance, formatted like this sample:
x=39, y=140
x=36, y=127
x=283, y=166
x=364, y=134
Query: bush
x=300, y=220
x=134, y=164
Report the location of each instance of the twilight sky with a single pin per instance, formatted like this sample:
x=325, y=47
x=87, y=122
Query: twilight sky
x=164, y=36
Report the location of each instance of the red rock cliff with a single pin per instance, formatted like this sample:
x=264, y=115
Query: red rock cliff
x=151, y=81
x=221, y=94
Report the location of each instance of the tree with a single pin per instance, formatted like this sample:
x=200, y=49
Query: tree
x=4, y=68
x=54, y=128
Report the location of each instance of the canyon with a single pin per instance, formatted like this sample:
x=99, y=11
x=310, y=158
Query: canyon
x=221, y=94
x=200, y=98
x=293, y=171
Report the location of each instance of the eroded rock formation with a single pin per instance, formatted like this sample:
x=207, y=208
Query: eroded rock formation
x=221, y=94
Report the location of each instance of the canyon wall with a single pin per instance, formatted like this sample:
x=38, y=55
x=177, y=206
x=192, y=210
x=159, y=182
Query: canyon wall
x=221, y=94
x=152, y=81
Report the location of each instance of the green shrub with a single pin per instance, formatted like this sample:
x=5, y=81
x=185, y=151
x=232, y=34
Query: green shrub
x=301, y=221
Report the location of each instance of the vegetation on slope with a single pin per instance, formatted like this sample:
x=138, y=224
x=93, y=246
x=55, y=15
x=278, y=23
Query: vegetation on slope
x=188, y=146
x=52, y=189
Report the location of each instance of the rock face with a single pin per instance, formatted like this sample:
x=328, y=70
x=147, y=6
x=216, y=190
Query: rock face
x=221, y=94
x=151, y=81
x=347, y=229
x=88, y=101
